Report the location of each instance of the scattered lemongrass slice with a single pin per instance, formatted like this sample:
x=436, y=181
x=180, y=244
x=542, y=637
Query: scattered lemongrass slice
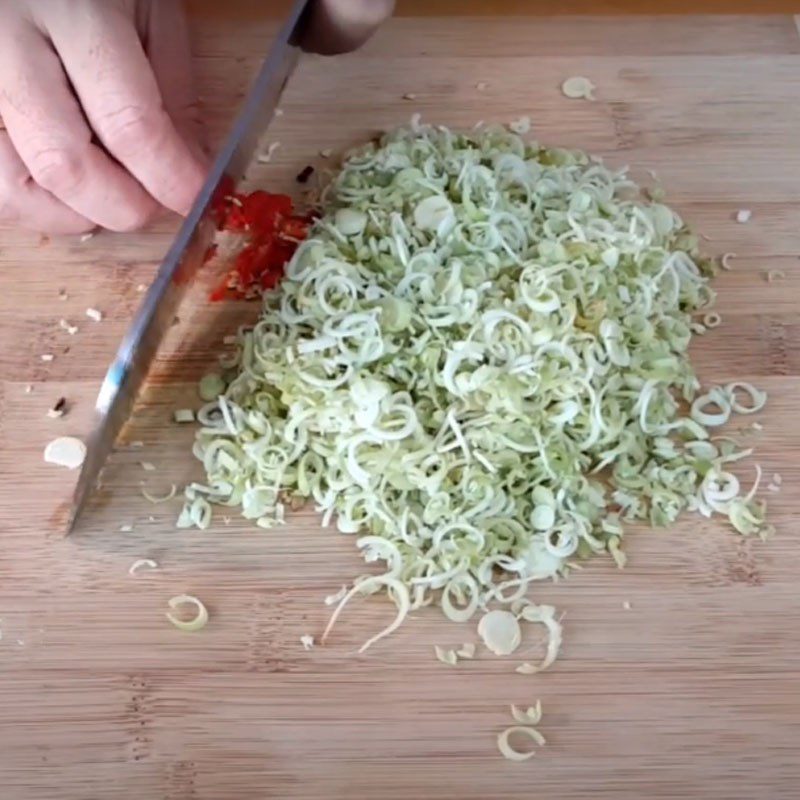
x=509, y=752
x=142, y=562
x=372, y=582
x=94, y=314
x=307, y=640
x=65, y=451
x=147, y=466
x=712, y=320
x=526, y=669
x=62, y=295
x=725, y=260
x=125, y=528
x=155, y=499
x=28, y=388
x=332, y=599
x=777, y=479
x=65, y=326
x=266, y=157
x=775, y=275
x=467, y=650
x=327, y=152
x=743, y=215
x=409, y=96
x=482, y=85
x=142, y=287
x=626, y=604
x=531, y=716
x=211, y=386
x=520, y=126
x=47, y=357
x=183, y=415
x=87, y=236
x=446, y=656
x=500, y=632
x=619, y=555
x=200, y=619
x=578, y=88
x=757, y=396
x=545, y=615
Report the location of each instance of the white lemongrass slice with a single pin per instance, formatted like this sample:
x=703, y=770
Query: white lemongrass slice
x=372, y=583
x=307, y=641
x=500, y=632
x=65, y=451
x=155, y=498
x=545, y=615
x=467, y=650
x=509, y=752
x=140, y=563
x=200, y=619
x=530, y=716
x=446, y=656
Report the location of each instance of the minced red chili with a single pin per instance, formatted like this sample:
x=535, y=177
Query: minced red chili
x=273, y=232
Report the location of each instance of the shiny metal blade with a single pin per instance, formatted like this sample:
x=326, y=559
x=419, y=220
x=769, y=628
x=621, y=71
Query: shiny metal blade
x=135, y=355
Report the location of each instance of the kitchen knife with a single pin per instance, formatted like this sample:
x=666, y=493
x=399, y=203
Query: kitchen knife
x=125, y=376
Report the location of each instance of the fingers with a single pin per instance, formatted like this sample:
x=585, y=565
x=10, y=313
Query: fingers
x=338, y=26
x=166, y=43
x=110, y=73
x=24, y=203
x=46, y=127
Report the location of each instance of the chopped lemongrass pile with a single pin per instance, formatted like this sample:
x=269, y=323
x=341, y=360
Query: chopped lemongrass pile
x=479, y=358
x=197, y=622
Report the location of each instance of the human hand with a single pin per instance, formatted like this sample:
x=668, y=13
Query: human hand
x=338, y=26
x=98, y=109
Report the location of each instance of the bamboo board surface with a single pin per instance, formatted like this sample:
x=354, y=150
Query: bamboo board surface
x=694, y=691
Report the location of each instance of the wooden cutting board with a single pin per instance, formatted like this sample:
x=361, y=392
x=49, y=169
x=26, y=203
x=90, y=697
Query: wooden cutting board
x=694, y=691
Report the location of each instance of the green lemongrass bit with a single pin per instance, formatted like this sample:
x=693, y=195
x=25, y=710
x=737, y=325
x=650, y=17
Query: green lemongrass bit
x=479, y=357
x=211, y=386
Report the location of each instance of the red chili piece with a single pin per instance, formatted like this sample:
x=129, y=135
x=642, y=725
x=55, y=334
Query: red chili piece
x=273, y=232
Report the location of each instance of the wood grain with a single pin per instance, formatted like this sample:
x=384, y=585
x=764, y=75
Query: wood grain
x=694, y=692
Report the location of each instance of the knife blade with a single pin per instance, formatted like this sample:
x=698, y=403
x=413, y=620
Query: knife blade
x=135, y=355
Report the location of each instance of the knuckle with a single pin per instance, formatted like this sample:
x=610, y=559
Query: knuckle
x=58, y=170
x=131, y=128
x=133, y=218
